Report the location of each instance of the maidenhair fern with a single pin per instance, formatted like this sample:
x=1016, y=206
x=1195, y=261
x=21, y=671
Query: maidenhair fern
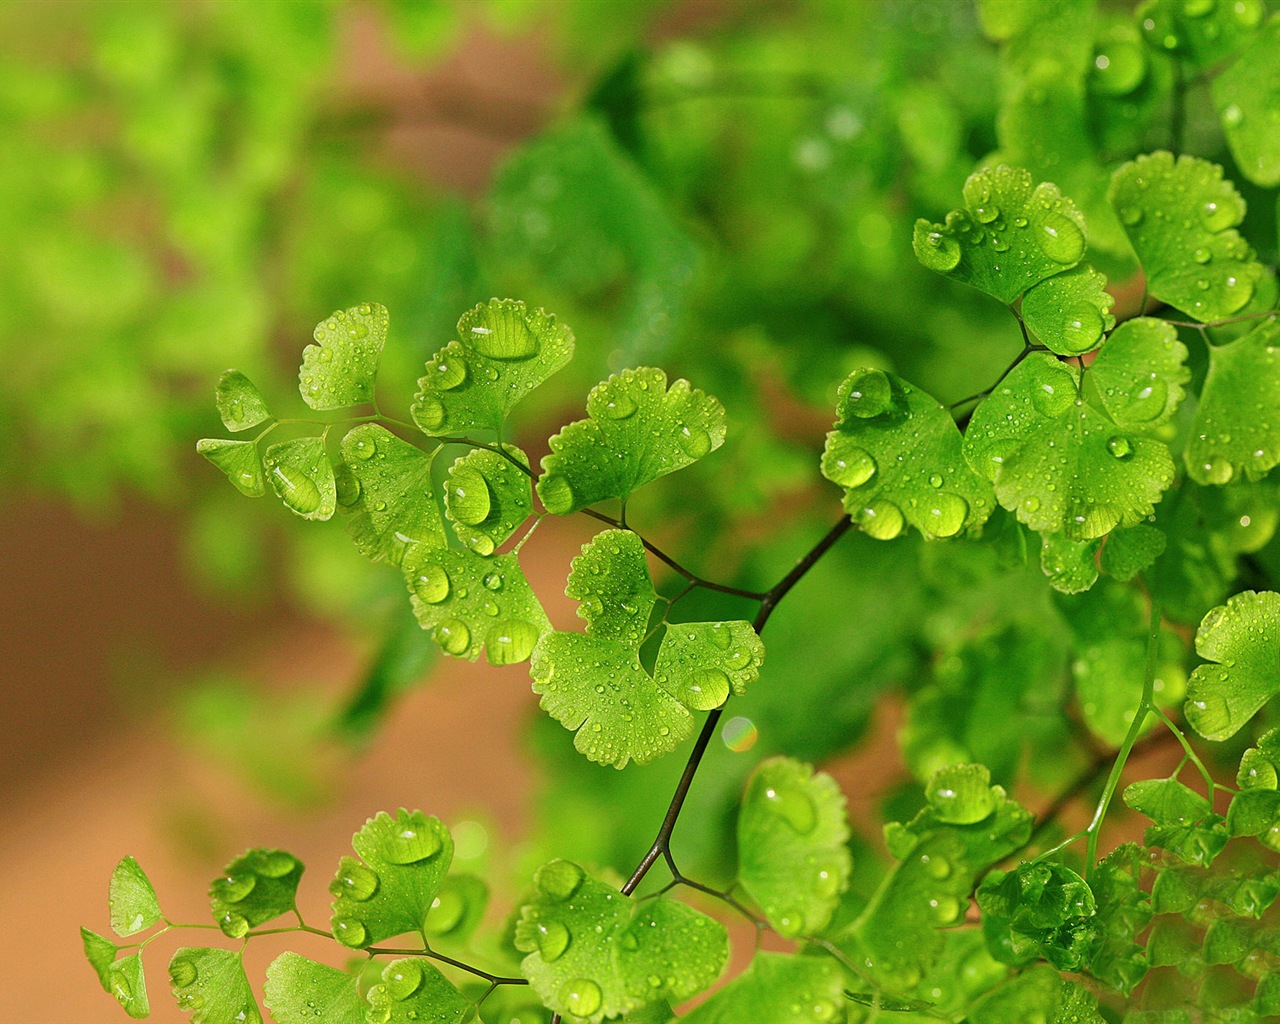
x=1122, y=456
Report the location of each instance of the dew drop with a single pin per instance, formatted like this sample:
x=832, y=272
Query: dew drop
x=935, y=865
x=553, y=939
x=349, y=932
x=450, y=371
x=234, y=888
x=935, y=480
x=939, y=252
x=182, y=973
x=1081, y=329
x=1060, y=238
x=620, y=406
x=355, y=881
x=793, y=806
x=556, y=494
x=1054, y=390
x=468, y=495
x=1202, y=256
x=429, y=412
x=946, y=909
x=431, y=584
x=511, y=641
x=1119, y=446
x=408, y=844
x=866, y=393
x=493, y=581
x=453, y=636
x=882, y=520
x=985, y=213
x=709, y=688
x=1131, y=216
x=233, y=925
x=365, y=448
x=507, y=338
x=1217, y=471
x=446, y=911
x=1210, y=715
x=402, y=979
x=559, y=879
x=693, y=441
x=1233, y=116
x=1217, y=216
x=846, y=464
x=945, y=516
x=581, y=997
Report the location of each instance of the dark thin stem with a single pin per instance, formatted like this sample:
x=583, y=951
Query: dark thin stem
x=671, y=563
x=431, y=954
x=720, y=894
x=661, y=846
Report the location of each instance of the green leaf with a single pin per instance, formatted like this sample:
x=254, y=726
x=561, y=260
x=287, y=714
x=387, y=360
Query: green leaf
x=1266, y=997
x=1069, y=564
x=239, y=402
x=210, y=984
x=599, y=688
x=132, y=899
x=597, y=685
x=610, y=579
x=1260, y=765
x=301, y=991
x=1254, y=812
x=473, y=603
x=1139, y=376
x=1176, y=890
x=1203, y=32
x=412, y=989
x=1059, y=462
x=1123, y=912
x=1038, y=994
x=1166, y=801
x=101, y=953
x=255, y=887
x=636, y=431
x=792, y=857
x=394, y=507
x=1247, y=96
x=238, y=460
x=300, y=473
x=1227, y=942
x=504, y=352
x=405, y=860
x=341, y=369
x=1172, y=210
x=1237, y=425
x=1243, y=638
x=1009, y=237
x=595, y=953
x=1197, y=842
x=897, y=453
x=1128, y=552
x=939, y=863
x=780, y=989
x=487, y=498
x=1248, y=895
x=127, y=982
x=1071, y=311
x=699, y=663
x=1038, y=910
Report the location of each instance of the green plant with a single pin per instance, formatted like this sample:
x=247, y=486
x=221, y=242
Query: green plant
x=1101, y=509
